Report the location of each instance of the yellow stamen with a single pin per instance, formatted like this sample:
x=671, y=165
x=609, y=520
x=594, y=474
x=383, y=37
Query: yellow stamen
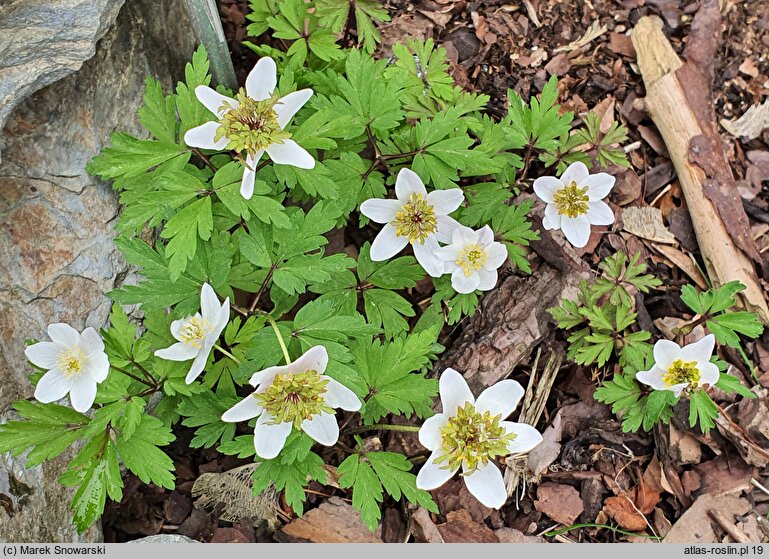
x=471, y=259
x=681, y=371
x=194, y=331
x=416, y=219
x=571, y=200
x=70, y=362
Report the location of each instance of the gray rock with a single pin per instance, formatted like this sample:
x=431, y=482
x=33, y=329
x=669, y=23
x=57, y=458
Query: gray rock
x=42, y=41
x=56, y=252
x=165, y=538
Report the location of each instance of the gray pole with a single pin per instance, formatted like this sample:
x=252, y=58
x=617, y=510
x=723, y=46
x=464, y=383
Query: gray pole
x=208, y=29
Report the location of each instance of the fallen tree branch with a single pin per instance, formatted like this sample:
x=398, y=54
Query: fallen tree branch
x=679, y=101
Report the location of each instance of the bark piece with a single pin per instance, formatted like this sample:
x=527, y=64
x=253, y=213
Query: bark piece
x=461, y=528
x=423, y=528
x=560, y=502
x=334, y=521
x=678, y=99
x=694, y=526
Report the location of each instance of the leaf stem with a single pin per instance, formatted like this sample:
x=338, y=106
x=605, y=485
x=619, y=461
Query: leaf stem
x=384, y=427
x=262, y=287
x=748, y=364
x=227, y=353
x=131, y=375
x=280, y=338
x=591, y=525
x=205, y=159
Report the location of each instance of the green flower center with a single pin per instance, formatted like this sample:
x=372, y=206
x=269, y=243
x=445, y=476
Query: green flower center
x=571, y=200
x=680, y=372
x=294, y=398
x=416, y=219
x=472, y=438
x=194, y=331
x=70, y=362
x=252, y=125
x=471, y=259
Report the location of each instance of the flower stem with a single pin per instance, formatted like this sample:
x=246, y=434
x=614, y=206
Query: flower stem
x=227, y=353
x=384, y=427
x=747, y=362
x=280, y=338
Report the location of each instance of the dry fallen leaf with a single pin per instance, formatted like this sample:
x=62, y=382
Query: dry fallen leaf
x=751, y=124
x=594, y=31
x=620, y=508
x=694, y=526
x=334, y=521
x=560, y=502
x=646, y=222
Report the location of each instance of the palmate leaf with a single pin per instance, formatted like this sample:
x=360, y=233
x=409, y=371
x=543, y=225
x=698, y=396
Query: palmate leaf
x=141, y=455
x=183, y=230
x=129, y=157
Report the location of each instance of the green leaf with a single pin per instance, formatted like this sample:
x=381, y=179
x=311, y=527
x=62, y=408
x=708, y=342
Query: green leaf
x=183, y=230
x=158, y=114
x=731, y=384
x=129, y=157
x=141, y=455
x=204, y=411
x=702, y=410
x=367, y=492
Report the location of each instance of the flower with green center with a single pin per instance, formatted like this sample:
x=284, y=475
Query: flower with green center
x=472, y=259
x=471, y=434
x=197, y=334
x=679, y=368
x=297, y=395
x=415, y=218
x=76, y=364
x=575, y=202
x=252, y=123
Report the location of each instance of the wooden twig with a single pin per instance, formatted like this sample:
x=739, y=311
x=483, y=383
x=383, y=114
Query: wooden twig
x=735, y=533
x=678, y=99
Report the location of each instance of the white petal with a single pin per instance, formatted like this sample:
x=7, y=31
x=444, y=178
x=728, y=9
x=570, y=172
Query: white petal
x=432, y=475
x=485, y=236
x=209, y=304
x=64, y=334
x=496, y=255
x=446, y=226
x=552, y=219
x=51, y=387
x=709, y=373
x=445, y=201
x=486, y=485
x=269, y=439
x=261, y=81
x=599, y=213
x=500, y=398
x=464, y=284
x=314, y=359
x=598, y=186
x=90, y=341
x=83, y=393
x=290, y=153
x=576, y=230
x=653, y=378
x=545, y=187
x=224, y=318
x=526, y=437
x=44, y=354
x=380, y=210
x=96, y=366
x=176, y=326
x=576, y=172
x=454, y=391
x=425, y=255
x=214, y=101
x=339, y=396
x=488, y=280
x=665, y=352
x=449, y=255
x=387, y=244
x=290, y=104
x=461, y=236
x=249, y=175
x=430, y=431
x=700, y=350
x=178, y=352
x=198, y=364
x=267, y=375
x=322, y=428
x=408, y=182
x=203, y=137
x=248, y=408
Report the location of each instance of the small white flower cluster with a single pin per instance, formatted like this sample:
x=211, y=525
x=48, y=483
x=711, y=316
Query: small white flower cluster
x=422, y=219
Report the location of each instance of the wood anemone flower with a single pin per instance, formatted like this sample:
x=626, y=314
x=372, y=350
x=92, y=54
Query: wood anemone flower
x=575, y=202
x=297, y=395
x=472, y=259
x=415, y=217
x=254, y=123
x=76, y=364
x=198, y=333
x=470, y=434
x=677, y=368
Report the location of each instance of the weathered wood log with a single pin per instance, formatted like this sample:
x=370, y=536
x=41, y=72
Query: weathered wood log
x=679, y=101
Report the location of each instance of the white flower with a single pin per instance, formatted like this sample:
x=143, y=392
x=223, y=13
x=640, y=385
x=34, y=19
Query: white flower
x=76, y=363
x=472, y=259
x=416, y=217
x=197, y=334
x=446, y=436
x=574, y=202
x=295, y=395
x=253, y=122
x=676, y=368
